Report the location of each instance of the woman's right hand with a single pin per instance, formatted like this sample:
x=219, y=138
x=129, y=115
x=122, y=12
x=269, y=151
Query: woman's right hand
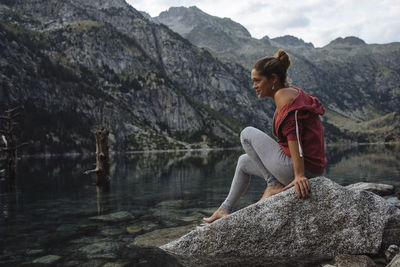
x=302, y=186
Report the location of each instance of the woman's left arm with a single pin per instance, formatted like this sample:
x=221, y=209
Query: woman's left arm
x=300, y=181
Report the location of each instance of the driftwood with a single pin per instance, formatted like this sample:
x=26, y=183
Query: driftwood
x=102, y=158
x=10, y=147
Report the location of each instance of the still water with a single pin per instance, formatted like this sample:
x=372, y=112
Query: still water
x=54, y=208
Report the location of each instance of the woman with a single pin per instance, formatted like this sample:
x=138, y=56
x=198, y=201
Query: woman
x=299, y=150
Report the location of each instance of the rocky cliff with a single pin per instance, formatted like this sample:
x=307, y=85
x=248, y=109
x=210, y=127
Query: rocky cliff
x=358, y=83
x=73, y=64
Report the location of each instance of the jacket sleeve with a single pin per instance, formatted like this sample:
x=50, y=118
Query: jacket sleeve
x=288, y=128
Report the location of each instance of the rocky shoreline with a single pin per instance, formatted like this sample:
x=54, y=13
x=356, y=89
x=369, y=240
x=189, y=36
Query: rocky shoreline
x=120, y=239
x=337, y=226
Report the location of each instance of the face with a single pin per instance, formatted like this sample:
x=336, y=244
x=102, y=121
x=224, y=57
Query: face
x=261, y=84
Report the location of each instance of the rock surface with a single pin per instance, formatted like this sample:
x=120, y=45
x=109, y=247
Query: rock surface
x=394, y=200
x=335, y=220
x=391, y=252
x=395, y=262
x=345, y=260
x=391, y=234
x=379, y=189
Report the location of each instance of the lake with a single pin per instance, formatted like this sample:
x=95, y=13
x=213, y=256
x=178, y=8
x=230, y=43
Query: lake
x=55, y=208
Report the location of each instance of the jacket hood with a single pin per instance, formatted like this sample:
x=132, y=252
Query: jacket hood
x=302, y=102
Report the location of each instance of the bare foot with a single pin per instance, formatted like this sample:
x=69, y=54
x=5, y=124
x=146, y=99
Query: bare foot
x=218, y=214
x=271, y=190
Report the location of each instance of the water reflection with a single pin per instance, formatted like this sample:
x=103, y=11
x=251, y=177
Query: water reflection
x=54, y=200
x=144, y=179
x=368, y=163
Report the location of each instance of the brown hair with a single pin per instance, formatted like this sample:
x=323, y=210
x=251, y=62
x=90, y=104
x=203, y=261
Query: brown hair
x=278, y=64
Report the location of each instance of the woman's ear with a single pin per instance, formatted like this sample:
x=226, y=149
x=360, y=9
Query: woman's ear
x=274, y=77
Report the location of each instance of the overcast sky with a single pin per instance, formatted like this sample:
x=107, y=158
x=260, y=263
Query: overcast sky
x=316, y=21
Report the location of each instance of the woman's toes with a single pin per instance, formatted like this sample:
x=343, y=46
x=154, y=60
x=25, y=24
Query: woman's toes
x=217, y=215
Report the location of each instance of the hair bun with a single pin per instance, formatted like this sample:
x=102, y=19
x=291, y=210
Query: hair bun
x=283, y=57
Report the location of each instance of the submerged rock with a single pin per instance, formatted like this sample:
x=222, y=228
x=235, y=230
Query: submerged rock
x=47, y=260
x=102, y=249
x=379, y=189
x=333, y=221
x=162, y=236
x=142, y=226
x=112, y=231
x=175, y=217
x=32, y=252
x=134, y=229
x=148, y=256
x=116, y=264
x=113, y=217
x=177, y=204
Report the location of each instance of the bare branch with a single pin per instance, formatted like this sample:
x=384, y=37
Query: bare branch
x=91, y=171
x=13, y=109
x=4, y=140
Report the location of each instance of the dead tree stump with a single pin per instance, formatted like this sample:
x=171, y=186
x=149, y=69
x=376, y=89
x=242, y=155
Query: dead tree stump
x=102, y=158
x=9, y=147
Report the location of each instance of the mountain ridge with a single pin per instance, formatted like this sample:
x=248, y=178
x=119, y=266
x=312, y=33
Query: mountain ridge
x=347, y=74
x=74, y=64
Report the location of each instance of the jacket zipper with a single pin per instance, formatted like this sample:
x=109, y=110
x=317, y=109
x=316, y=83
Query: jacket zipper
x=297, y=130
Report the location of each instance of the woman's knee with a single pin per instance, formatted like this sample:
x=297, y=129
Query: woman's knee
x=243, y=161
x=246, y=134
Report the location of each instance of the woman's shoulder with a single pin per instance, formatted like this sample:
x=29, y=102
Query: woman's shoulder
x=285, y=95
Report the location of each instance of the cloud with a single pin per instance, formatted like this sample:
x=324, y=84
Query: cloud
x=290, y=22
x=316, y=21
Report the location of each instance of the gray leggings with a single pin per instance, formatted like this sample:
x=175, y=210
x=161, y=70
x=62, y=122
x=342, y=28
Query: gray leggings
x=264, y=158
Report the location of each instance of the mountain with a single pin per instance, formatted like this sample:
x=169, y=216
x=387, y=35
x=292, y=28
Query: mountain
x=202, y=29
x=227, y=39
x=347, y=41
x=146, y=15
x=357, y=82
x=289, y=41
x=73, y=64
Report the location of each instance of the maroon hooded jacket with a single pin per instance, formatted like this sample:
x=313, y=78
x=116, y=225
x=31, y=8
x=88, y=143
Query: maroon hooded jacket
x=299, y=120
